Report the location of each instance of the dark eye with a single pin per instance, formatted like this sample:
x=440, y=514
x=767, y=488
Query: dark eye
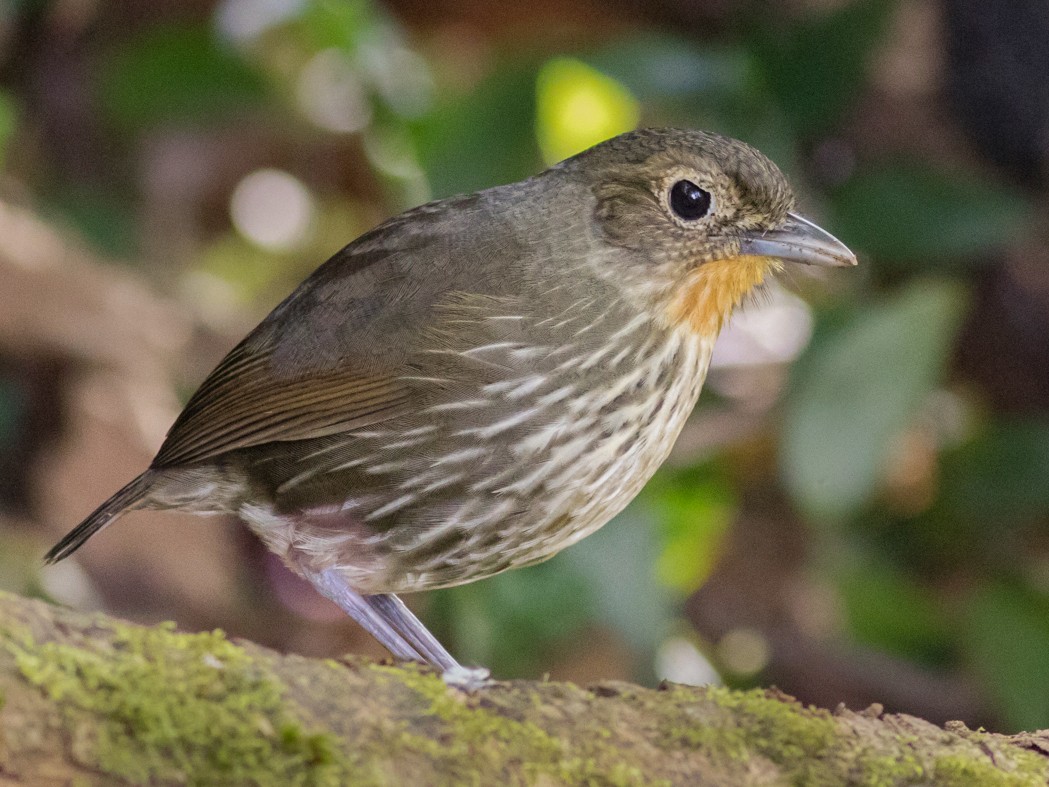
x=689, y=201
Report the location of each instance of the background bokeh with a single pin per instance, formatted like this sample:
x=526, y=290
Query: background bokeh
x=858, y=510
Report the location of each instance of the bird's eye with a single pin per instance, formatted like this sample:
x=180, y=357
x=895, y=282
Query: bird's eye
x=689, y=201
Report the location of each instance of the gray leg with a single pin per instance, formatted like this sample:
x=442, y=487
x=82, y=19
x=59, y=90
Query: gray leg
x=387, y=619
x=395, y=613
x=331, y=585
x=400, y=618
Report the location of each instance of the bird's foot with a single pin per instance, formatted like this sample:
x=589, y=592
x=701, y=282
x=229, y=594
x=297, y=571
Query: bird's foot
x=467, y=679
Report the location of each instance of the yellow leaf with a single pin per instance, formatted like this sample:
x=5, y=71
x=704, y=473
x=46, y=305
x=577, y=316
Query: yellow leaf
x=578, y=106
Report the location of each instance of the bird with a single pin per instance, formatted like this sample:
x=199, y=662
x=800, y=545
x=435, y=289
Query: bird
x=481, y=381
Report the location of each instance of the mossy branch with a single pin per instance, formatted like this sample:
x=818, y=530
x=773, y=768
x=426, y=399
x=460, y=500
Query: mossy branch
x=88, y=699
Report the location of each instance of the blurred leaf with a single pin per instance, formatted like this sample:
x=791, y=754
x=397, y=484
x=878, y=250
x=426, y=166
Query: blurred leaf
x=8, y=124
x=711, y=86
x=512, y=621
x=816, y=65
x=887, y=609
x=1001, y=476
x=928, y=545
x=858, y=390
x=106, y=220
x=578, y=106
x=695, y=510
x=913, y=213
x=176, y=74
x=338, y=23
x=618, y=563
x=1006, y=636
x=13, y=407
x=485, y=138
x=657, y=67
x=241, y=275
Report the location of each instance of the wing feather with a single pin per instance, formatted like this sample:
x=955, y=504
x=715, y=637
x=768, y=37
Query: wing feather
x=248, y=407
x=336, y=354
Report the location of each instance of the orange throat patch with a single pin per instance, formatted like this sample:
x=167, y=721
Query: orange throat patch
x=714, y=289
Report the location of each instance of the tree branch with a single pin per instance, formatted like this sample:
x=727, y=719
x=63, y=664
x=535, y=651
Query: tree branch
x=93, y=698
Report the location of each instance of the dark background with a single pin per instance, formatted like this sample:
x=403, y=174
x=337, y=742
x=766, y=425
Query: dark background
x=858, y=510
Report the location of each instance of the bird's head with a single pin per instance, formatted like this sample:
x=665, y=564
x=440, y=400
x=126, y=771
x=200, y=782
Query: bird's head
x=693, y=221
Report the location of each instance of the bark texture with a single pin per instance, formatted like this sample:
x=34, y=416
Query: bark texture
x=89, y=699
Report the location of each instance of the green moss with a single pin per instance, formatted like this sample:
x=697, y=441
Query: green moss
x=782, y=732
x=805, y=742
x=152, y=705
x=965, y=770
x=479, y=738
x=994, y=763
x=889, y=770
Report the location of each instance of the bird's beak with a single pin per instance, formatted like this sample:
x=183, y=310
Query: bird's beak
x=799, y=240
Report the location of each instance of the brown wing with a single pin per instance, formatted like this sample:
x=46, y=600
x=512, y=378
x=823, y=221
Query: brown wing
x=329, y=359
x=243, y=404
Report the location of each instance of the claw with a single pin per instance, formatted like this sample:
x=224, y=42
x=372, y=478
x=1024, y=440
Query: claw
x=467, y=679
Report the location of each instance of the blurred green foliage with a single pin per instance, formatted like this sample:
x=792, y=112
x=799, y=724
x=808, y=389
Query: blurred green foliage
x=620, y=570
x=455, y=141
x=857, y=392
x=578, y=106
x=517, y=619
x=882, y=348
x=1005, y=633
x=890, y=609
x=105, y=219
x=816, y=67
x=1001, y=476
x=695, y=508
x=912, y=215
x=8, y=123
x=12, y=409
x=176, y=74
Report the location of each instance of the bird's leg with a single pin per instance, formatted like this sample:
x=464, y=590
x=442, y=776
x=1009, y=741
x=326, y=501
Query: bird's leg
x=395, y=613
x=404, y=622
x=387, y=619
x=331, y=585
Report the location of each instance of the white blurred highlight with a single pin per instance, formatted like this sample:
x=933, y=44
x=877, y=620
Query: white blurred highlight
x=772, y=330
x=242, y=21
x=401, y=76
x=331, y=95
x=273, y=210
x=69, y=584
x=679, y=661
x=744, y=651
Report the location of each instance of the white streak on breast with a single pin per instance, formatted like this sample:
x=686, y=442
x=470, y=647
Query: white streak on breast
x=394, y=505
x=489, y=431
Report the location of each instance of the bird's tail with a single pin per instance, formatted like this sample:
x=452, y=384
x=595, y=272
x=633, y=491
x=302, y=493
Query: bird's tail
x=102, y=516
